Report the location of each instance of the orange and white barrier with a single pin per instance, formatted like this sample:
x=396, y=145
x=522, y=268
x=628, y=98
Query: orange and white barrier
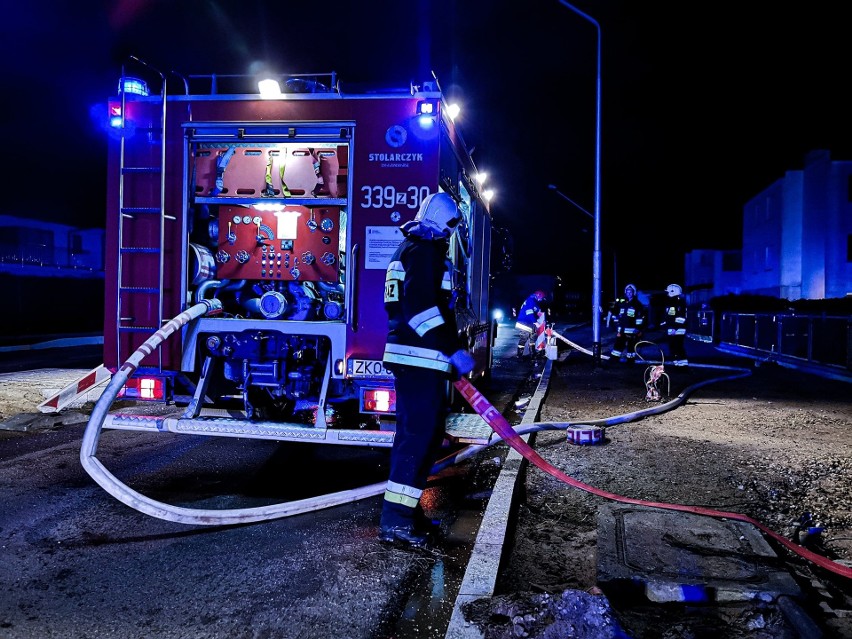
x=540, y=333
x=71, y=392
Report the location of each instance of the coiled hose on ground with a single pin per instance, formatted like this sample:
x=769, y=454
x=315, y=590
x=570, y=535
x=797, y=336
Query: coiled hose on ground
x=182, y=515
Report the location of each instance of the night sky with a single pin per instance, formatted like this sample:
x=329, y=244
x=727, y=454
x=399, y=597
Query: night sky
x=703, y=105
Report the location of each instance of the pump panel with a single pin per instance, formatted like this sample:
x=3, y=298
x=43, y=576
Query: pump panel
x=297, y=243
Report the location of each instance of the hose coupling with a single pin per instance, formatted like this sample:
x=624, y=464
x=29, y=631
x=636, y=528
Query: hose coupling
x=214, y=306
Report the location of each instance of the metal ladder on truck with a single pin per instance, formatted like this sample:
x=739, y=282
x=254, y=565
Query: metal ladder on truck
x=142, y=221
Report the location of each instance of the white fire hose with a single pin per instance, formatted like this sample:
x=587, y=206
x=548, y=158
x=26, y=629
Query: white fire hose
x=182, y=515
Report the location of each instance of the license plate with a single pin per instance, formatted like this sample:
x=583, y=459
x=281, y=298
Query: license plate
x=368, y=368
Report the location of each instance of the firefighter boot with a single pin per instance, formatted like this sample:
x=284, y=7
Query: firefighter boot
x=404, y=536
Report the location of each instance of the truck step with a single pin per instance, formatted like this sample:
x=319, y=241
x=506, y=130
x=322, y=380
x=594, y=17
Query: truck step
x=147, y=210
x=139, y=289
x=141, y=169
x=229, y=427
x=139, y=249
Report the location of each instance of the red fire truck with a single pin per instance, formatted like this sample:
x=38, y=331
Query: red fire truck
x=281, y=214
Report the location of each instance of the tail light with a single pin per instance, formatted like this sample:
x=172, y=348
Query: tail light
x=378, y=400
x=144, y=388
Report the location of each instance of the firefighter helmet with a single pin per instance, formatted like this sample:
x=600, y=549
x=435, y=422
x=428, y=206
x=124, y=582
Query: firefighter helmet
x=439, y=213
x=630, y=286
x=540, y=296
x=674, y=290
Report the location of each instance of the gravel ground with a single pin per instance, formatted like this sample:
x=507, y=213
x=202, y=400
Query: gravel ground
x=773, y=444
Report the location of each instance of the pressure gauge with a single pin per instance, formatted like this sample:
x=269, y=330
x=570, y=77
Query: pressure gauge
x=257, y=219
x=237, y=219
x=247, y=219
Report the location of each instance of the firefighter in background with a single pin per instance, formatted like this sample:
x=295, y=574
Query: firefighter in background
x=630, y=314
x=528, y=318
x=424, y=352
x=675, y=324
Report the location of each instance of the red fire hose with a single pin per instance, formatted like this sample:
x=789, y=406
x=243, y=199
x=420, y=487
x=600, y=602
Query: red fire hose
x=500, y=426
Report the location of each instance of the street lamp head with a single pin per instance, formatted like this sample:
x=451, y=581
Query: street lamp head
x=551, y=186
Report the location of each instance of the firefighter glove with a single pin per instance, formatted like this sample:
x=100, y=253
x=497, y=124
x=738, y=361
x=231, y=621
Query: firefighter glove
x=462, y=362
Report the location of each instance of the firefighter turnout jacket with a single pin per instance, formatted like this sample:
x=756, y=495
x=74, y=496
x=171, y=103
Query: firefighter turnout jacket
x=528, y=314
x=418, y=292
x=630, y=316
x=675, y=320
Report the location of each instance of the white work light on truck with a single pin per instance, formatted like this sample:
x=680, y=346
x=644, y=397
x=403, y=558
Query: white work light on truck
x=269, y=88
x=426, y=112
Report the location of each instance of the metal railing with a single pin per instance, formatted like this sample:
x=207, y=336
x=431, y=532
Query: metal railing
x=818, y=340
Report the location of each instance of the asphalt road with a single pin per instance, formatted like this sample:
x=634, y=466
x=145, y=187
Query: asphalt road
x=75, y=562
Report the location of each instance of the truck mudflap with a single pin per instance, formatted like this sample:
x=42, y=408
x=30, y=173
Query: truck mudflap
x=461, y=428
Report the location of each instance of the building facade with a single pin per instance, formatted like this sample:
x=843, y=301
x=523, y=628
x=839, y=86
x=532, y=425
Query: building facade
x=45, y=249
x=797, y=240
x=52, y=278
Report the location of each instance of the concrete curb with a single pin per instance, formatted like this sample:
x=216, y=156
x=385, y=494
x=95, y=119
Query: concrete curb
x=480, y=578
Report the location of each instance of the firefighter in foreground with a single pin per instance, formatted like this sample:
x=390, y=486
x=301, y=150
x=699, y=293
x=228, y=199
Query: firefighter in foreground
x=528, y=316
x=675, y=323
x=424, y=353
x=630, y=316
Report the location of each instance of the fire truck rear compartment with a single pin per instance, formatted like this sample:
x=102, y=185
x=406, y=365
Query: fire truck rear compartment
x=271, y=370
x=271, y=210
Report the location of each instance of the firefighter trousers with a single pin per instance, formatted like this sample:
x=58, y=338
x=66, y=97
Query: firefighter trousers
x=421, y=414
x=625, y=345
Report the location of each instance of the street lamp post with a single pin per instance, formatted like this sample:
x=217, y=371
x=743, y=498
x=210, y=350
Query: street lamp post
x=596, y=255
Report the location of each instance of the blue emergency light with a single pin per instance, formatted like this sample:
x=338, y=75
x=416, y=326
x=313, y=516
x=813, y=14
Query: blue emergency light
x=133, y=85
